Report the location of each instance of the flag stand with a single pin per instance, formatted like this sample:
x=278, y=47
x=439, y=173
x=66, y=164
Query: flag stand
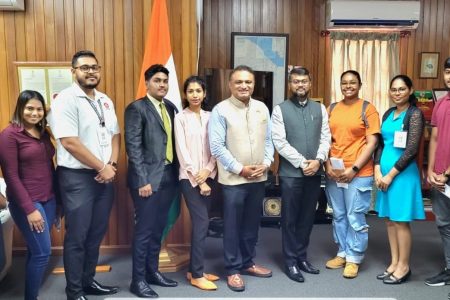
x=98, y=269
x=173, y=258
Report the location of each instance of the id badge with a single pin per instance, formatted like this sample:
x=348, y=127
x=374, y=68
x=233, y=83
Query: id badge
x=103, y=137
x=400, y=139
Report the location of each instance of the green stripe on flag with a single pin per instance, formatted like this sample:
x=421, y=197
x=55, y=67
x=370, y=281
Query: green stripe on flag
x=173, y=214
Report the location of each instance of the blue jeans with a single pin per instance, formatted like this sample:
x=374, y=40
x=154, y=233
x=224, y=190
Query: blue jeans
x=350, y=206
x=38, y=244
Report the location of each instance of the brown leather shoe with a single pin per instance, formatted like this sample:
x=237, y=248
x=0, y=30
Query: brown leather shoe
x=235, y=283
x=258, y=271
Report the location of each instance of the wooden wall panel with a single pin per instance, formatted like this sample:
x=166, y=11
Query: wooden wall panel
x=52, y=30
x=301, y=19
x=4, y=92
x=430, y=36
x=304, y=20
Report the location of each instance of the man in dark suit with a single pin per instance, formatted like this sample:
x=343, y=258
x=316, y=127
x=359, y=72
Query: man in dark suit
x=152, y=177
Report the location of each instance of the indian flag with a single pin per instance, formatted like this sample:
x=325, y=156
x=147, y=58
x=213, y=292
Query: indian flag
x=159, y=51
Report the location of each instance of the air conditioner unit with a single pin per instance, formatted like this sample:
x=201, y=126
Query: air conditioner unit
x=12, y=5
x=372, y=14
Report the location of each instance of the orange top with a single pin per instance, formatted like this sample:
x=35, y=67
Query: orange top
x=348, y=133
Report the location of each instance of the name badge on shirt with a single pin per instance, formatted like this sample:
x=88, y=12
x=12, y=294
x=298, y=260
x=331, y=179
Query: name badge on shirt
x=104, y=137
x=400, y=139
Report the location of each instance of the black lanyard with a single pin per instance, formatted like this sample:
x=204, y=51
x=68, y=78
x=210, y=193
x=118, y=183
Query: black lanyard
x=101, y=115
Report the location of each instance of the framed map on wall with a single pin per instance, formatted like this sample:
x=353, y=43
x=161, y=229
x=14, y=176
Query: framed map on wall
x=263, y=52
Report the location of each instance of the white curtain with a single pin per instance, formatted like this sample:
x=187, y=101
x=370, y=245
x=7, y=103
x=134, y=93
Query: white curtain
x=374, y=55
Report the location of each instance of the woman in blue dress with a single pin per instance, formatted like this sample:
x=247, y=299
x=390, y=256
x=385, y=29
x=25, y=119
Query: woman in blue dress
x=399, y=199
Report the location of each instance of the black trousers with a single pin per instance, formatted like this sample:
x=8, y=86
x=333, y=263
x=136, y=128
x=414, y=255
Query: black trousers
x=150, y=214
x=298, y=210
x=87, y=206
x=198, y=206
x=242, y=207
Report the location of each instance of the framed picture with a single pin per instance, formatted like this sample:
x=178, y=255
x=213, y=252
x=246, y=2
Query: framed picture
x=425, y=102
x=48, y=78
x=429, y=64
x=439, y=93
x=263, y=52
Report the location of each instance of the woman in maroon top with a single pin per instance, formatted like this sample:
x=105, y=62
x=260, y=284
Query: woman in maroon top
x=26, y=154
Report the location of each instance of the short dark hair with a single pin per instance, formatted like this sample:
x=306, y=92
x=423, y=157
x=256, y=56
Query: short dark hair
x=241, y=68
x=82, y=53
x=299, y=71
x=22, y=100
x=354, y=73
x=188, y=81
x=153, y=69
x=447, y=63
x=408, y=82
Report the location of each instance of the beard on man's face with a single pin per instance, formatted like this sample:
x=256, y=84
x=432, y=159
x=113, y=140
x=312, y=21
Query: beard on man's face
x=301, y=93
x=90, y=86
x=83, y=82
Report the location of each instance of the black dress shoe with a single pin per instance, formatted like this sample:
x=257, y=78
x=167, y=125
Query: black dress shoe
x=394, y=280
x=142, y=289
x=159, y=279
x=383, y=275
x=294, y=273
x=78, y=298
x=95, y=288
x=305, y=266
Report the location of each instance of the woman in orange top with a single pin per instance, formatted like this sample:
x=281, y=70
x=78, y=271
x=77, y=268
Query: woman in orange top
x=355, y=126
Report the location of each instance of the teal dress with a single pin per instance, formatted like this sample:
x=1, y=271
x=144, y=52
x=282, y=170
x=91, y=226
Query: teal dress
x=402, y=202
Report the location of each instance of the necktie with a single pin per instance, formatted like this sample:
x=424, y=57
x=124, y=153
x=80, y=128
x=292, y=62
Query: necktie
x=168, y=129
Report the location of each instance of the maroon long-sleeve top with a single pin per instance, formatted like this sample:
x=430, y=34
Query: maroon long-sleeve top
x=27, y=166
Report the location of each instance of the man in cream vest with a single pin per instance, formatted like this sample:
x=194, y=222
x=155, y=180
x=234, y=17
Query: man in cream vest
x=240, y=139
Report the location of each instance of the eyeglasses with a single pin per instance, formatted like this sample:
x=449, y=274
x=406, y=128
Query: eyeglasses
x=400, y=90
x=87, y=68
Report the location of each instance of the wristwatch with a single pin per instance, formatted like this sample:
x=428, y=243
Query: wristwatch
x=112, y=163
x=355, y=169
x=320, y=161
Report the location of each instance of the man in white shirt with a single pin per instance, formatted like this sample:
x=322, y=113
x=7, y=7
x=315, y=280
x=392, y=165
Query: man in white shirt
x=85, y=126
